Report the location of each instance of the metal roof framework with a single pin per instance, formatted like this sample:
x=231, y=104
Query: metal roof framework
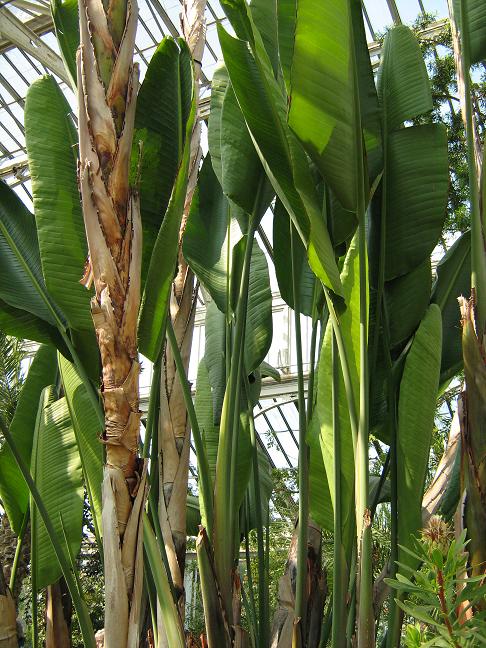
x=28, y=49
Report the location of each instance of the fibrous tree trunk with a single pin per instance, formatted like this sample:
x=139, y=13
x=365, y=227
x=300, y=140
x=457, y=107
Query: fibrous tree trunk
x=473, y=429
x=316, y=590
x=108, y=82
x=58, y=615
x=8, y=615
x=174, y=432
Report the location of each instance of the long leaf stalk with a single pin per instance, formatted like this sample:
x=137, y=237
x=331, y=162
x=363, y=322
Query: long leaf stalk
x=152, y=414
x=202, y=459
x=339, y=567
x=394, y=625
x=224, y=514
x=79, y=604
x=175, y=431
x=365, y=630
x=18, y=550
x=170, y=614
x=303, y=467
x=263, y=608
x=478, y=257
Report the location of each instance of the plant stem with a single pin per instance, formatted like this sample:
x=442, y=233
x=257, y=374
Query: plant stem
x=202, y=459
x=153, y=408
x=303, y=467
x=478, y=261
x=312, y=371
x=443, y=606
x=338, y=594
x=343, y=358
x=18, y=548
x=264, y=613
x=170, y=614
x=79, y=604
x=224, y=513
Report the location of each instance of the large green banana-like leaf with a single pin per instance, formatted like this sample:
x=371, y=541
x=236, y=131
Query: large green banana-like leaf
x=368, y=98
x=203, y=404
x=26, y=326
x=320, y=503
x=258, y=329
x=21, y=282
x=243, y=178
x=416, y=411
x=476, y=27
x=264, y=108
x=286, y=29
x=407, y=298
x=66, y=25
x=56, y=469
x=86, y=426
x=215, y=350
x=155, y=299
x=163, y=107
x=453, y=280
x=219, y=85
x=324, y=106
x=349, y=326
x=212, y=240
x=416, y=197
x=403, y=83
x=266, y=487
x=264, y=14
x=210, y=235
x=57, y=209
x=13, y=489
x=306, y=279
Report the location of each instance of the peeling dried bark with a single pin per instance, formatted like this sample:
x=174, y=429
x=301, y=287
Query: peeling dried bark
x=473, y=443
x=284, y=619
x=58, y=616
x=107, y=87
x=174, y=432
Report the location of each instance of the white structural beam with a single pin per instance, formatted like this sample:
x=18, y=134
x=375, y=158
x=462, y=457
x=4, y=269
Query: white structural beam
x=19, y=34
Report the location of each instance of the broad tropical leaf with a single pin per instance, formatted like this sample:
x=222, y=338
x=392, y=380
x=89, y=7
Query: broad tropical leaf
x=155, y=300
x=349, y=324
x=215, y=350
x=13, y=489
x=286, y=29
x=243, y=178
x=66, y=25
x=476, y=27
x=210, y=235
x=52, y=153
x=282, y=253
x=416, y=410
x=263, y=106
x=56, y=469
x=26, y=326
x=453, y=280
x=163, y=107
x=324, y=107
x=21, y=282
x=219, y=85
x=417, y=189
x=86, y=426
x=403, y=83
x=258, y=329
x=407, y=298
